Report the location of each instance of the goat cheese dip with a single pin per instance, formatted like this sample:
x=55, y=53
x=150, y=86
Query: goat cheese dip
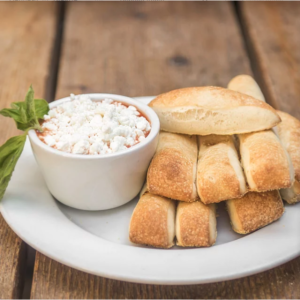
x=84, y=126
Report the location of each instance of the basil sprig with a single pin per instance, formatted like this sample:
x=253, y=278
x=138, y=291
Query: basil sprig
x=26, y=114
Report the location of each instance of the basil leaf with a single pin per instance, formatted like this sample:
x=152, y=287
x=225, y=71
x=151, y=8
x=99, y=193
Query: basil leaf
x=19, y=115
x=25, y=126
x=27, y=113
x=13, y=113
x=41, y=108
x=29, y=105
x=9, y=155
x=20, y=108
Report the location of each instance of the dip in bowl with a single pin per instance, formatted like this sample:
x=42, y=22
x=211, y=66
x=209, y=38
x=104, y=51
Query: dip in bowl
x=95, y=149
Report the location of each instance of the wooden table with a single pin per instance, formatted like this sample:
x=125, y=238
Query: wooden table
x=142, y=48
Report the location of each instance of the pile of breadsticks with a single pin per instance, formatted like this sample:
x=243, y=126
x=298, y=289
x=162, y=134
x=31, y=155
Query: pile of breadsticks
x=217, y=145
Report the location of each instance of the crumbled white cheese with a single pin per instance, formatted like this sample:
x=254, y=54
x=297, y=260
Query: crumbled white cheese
x=83, y=126
x=50, y=140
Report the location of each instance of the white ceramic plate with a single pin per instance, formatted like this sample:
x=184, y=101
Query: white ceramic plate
x=97, y=242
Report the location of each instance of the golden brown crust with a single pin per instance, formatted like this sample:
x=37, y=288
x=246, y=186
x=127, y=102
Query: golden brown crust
x=289, y=133
x=266, y=163
x=172, y=172
x=212, y=110
x=150, y=222
x=195, y=224
x=254, y=210
x=247, y=85
x=208, y=96
x=219, y=173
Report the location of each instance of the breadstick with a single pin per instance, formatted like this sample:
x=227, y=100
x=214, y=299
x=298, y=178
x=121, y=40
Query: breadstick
x=153, y=222
x=196, y=224
x=245, y=84
x=254, y=210
x=172, y=172
x=212, y=110
x=219, y=173
x=266, y=162
x=289, y=134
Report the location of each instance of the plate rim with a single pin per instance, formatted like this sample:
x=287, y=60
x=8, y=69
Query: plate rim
x=144, y=279
x=237, y=275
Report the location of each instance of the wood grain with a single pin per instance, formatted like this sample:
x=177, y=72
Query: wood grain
x=272, y=33
x=26, y=35
x=54, y=280
x=145, y=48
x=12, y=262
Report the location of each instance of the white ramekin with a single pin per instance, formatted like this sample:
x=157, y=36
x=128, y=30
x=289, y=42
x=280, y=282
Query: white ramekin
x=97, y=182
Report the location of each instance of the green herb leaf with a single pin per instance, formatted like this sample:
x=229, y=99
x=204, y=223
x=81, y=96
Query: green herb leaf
x=29, y=105
x=41, y=108
x=27, y=113
x=9, y=155
x=17, y=112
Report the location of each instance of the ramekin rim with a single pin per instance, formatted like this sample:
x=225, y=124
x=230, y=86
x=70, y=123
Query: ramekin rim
x=145, y=109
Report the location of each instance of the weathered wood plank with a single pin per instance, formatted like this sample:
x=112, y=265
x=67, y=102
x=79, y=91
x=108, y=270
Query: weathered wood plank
x=12, y=262
x=54, y=280
x=272, y=33
x=26, y=41
x=148, y=48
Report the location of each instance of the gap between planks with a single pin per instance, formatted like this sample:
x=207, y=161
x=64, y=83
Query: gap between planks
x=249, y=50
x=51, y=83
x=55, y=56
x=252, y=54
